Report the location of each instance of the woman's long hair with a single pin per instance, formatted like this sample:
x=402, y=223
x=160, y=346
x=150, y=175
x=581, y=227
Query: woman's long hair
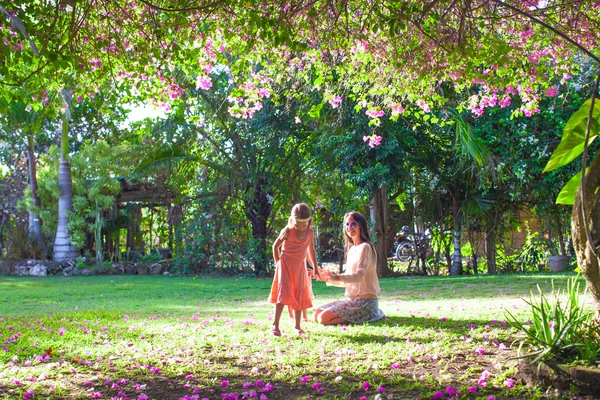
x=364, y=232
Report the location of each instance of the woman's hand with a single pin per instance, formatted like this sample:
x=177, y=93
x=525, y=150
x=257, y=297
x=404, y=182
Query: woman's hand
x=324, y=275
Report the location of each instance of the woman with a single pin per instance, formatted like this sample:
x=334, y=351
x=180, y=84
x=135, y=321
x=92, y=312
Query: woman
x=360, y=279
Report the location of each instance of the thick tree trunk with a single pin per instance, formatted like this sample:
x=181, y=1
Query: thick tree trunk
x=258, y=210
x=586, y=259
x=63, y=249
x=381, y=209
x=135, y=237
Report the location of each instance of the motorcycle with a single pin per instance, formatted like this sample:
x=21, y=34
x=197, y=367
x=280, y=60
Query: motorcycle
x=409, y=247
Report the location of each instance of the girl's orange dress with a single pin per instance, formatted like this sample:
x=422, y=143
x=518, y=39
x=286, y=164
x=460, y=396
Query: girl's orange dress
x=291, y=283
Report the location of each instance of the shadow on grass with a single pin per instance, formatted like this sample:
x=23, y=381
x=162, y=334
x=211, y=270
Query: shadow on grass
x=403, y=329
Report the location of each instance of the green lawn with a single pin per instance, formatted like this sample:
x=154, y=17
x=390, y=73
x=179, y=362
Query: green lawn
x=130, y=337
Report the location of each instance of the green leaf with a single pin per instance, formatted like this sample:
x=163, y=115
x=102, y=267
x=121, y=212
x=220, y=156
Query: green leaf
x=318, y=81
x=568, y=192
x=571, y=144
x=315, y=110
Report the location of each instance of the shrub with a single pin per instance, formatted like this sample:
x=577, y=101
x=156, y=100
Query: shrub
x=561, y=332
x=20, y=245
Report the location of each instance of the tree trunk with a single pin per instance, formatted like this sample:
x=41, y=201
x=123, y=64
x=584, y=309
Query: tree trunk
x=3, y=221
x=490, y=250
x=381, y=211
x=135, y=237
x=258, y=210
x=586, y=259
x=63, y=250
x=35, y=224
x=456, y=268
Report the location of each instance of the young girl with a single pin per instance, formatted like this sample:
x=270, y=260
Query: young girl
x=291, y=283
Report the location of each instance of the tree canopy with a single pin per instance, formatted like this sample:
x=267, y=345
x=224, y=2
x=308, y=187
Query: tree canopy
x=389, y=57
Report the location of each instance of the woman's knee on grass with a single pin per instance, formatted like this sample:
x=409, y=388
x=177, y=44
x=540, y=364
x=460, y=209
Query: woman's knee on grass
x=327, y=318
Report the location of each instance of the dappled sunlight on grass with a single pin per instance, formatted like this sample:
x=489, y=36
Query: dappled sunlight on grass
x=167, y=337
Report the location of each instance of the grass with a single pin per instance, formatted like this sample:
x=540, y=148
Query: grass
x=130, y=337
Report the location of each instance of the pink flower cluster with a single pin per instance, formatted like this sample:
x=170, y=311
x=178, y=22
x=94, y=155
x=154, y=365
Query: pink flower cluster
x=375, y=113
x=335, y=101
x=373, y=140
x=203, y=82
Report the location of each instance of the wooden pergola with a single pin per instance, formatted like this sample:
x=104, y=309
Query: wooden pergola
x=134, y=197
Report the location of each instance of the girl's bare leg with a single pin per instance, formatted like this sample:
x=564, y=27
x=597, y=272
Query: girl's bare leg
x=278, y=311
x=297, y=319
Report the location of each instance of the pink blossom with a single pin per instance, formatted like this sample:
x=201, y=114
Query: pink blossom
x=424, y=106
x=375, y=113
x=264, y=93
x=395, y=365
x=552, y=91
x=380, y=389
x=504, y=101
x=510, y=90
x=203, y=82
x=366, y=385
x=450, y=391
x=335, y=101
x=268, y=387
x=305, y=378
x=472, y=389
x=437, y=395
x=397, y=109
x=224, y=383
x=480, y=351
x=373, y=140
x=95, y=395
x=509, y=382
x=142, y=396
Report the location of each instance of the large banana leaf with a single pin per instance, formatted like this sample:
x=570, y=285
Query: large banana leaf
x=571, y=144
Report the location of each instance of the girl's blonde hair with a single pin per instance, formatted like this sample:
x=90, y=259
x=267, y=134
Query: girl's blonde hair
x=300, y=211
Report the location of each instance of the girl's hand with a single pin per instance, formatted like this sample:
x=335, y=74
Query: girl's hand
x=317, y=273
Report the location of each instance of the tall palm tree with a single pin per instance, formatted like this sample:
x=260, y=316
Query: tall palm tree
x=63, y=249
